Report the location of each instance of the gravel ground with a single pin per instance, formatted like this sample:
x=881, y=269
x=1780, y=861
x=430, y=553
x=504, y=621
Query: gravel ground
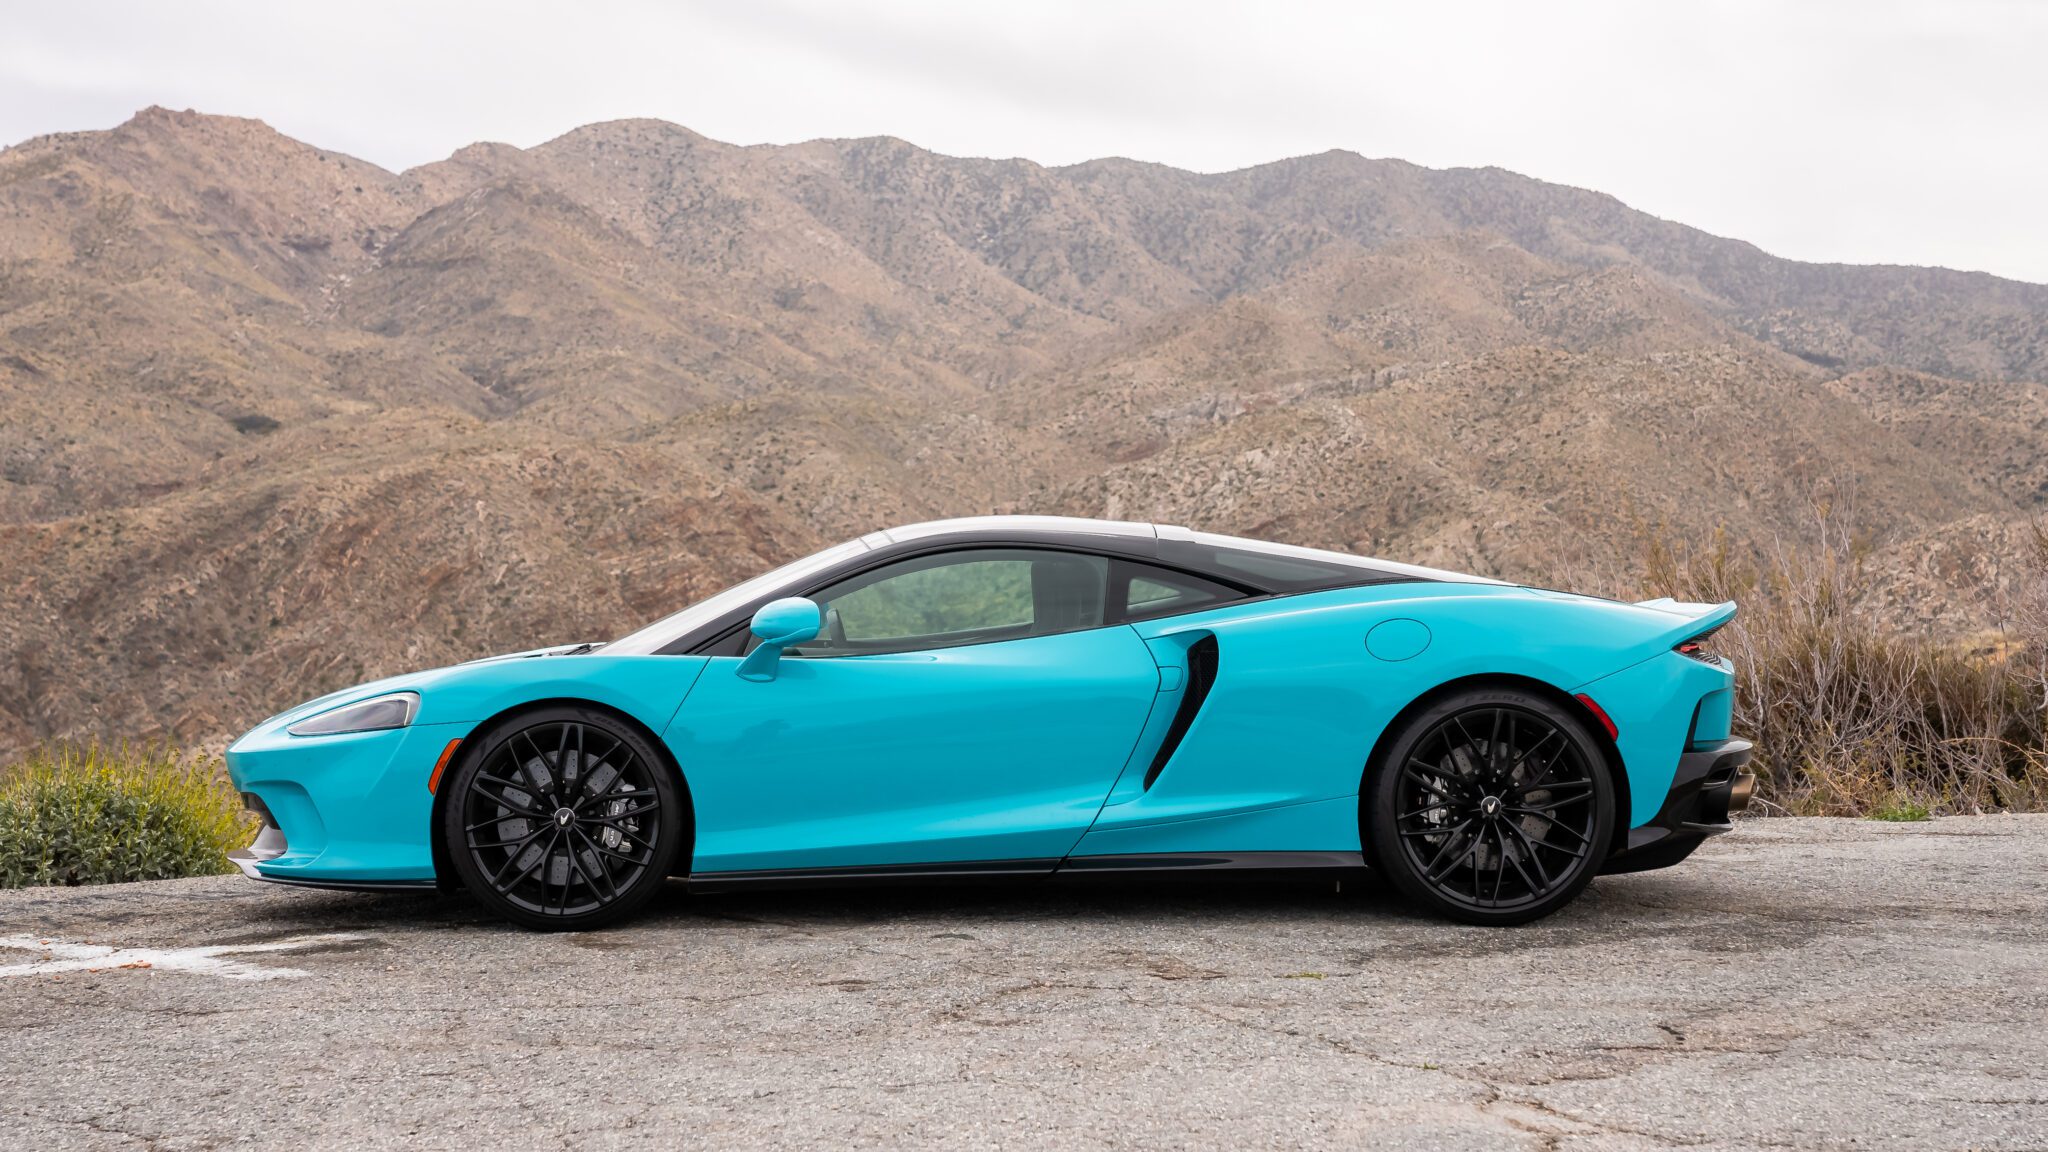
x=1800, y=983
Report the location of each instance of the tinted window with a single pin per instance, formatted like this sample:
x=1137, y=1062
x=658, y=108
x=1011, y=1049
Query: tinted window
x=1278, y=567
x=1149, y=592
x=968, y=597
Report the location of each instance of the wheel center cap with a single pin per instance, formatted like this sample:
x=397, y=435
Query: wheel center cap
x=564, y=817
x=1490, y=806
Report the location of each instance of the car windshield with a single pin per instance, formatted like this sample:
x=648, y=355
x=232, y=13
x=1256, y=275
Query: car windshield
x=659, y=634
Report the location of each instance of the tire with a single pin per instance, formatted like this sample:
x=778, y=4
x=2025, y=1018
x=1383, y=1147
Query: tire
x=1492, y=806
x=564, y=818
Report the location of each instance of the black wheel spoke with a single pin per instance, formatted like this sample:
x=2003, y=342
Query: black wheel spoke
x=1427, y=830
x=547, y=862
x=1466, y=792
x=1548, y=807
x=1500, y=866
x=1562, y=788
x=571, y=870
x=597, y=851
x=629, y=794
x=1554, y=825
x=532, y=764
x=591, y=813
x=564, y=776
x=516, y=840
x=1478, y=846
x=1522, y=838
x=583, y=794
x=1430, y=777
x=1472, y=750
x=626, y=836
x=615, y=854
x=602, y=798
x=1531, y=751
x=518, y=853
x=576, y=871
x=1451, y=864
x=1557, y=758
x=501, y=798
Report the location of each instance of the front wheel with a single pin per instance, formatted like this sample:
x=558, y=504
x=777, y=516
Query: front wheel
x=1493, y=806
x=563, y=819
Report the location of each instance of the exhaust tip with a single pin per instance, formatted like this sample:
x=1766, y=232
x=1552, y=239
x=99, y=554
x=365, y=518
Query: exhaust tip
x=1739, y=791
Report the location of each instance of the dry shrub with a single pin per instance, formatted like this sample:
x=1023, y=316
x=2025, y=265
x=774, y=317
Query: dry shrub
x=97, y=815
x=1851, y=716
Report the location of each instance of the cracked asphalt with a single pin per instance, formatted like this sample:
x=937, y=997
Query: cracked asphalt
x=1798, y=984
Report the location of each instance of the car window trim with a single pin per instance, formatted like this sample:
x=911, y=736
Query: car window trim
x=958, y=548
x=735, y=640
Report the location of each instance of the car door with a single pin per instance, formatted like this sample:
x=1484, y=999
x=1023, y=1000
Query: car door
x=962, y=707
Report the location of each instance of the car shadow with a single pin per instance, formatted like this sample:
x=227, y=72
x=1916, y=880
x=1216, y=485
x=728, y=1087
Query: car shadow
x=1618, y=904
x=1122, y=898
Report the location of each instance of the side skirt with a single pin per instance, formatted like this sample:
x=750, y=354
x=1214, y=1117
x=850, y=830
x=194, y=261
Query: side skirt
x=953, y=872
x=1232, y=865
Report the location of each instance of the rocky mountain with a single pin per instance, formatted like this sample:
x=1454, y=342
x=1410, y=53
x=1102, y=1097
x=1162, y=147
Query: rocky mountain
x=273, y=420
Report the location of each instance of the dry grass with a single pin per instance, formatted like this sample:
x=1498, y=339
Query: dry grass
x=1849, y=715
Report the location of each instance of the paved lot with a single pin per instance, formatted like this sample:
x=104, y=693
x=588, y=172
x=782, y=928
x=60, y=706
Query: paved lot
x=1810, y=984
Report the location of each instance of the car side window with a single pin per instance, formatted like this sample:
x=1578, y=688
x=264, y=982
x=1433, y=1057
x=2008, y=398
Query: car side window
x=1147, y=593
x=973, y=596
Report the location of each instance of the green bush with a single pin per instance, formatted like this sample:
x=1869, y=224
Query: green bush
x=1901, y=812
x=93, y=815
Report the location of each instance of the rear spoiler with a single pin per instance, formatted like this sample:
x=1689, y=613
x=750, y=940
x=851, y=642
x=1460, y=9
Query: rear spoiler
x=1689, y=621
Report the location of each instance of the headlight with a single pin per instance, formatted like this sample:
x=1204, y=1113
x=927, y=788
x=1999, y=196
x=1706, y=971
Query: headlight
x=378, y=712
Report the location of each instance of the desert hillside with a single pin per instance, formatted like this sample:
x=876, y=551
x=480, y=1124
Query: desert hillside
x=274, y=420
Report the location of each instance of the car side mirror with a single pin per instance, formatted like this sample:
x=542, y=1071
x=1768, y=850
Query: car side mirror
x=779, y=624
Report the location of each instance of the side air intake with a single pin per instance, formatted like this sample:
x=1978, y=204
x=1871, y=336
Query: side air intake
x=1201, y=674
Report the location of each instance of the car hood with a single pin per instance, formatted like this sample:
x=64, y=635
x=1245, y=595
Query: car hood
x=413, y=681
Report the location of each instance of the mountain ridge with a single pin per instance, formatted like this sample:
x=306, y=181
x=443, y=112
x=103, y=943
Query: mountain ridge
x=277, y=418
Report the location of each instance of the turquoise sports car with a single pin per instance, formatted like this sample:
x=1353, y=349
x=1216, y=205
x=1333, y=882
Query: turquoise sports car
x=1030, y=698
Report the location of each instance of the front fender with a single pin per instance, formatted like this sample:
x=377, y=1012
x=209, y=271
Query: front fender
x=647, y=688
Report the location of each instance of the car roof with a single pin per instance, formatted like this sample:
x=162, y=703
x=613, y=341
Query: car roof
x=1009, y=525
x=1081, y=530
x=1202, y=553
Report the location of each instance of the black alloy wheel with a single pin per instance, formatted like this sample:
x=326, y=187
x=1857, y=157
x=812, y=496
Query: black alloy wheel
x=1492, y=807
x=563, y=819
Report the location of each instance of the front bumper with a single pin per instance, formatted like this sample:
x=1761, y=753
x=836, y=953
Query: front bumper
x=271, y=844
x=1711, y=784
x=348, y=810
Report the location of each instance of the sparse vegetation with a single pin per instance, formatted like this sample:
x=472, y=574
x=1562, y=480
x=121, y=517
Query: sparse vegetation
x=96, y=815
x=1850, y=715
x=1901, y=812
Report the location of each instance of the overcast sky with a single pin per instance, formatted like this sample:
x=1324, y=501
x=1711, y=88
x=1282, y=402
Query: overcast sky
x=1865, y=132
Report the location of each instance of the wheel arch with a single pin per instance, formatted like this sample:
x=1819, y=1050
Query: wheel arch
x=445, y=875
x=1617, y=771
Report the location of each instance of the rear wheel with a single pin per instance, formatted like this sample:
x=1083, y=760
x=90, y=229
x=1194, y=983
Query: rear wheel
x=1493, y=806
x=565, y=818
